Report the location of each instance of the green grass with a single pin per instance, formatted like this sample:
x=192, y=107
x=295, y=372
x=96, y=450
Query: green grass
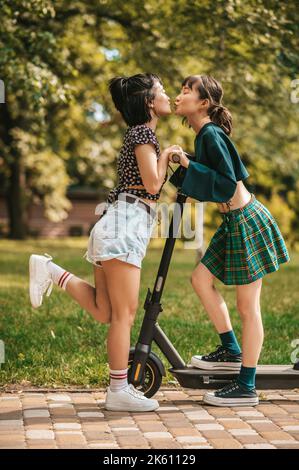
x=60, y=344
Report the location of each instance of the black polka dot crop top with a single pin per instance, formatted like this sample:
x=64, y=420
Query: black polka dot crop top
x=127, y=167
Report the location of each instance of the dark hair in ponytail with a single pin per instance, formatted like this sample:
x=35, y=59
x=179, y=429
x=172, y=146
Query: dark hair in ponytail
x=211, y=89
x=132, y=95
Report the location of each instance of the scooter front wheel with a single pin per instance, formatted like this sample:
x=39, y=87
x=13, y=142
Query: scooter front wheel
x=152, y=377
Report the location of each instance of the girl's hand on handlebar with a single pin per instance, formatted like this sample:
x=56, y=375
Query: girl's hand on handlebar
x=177, y=150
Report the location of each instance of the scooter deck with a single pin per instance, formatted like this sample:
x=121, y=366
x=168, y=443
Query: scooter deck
x=268, y=377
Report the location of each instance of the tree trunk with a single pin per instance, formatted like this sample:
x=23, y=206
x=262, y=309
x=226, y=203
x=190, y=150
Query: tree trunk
x=15, y=200
x=15, y=189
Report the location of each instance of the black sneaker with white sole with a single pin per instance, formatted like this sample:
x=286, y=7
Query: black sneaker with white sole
x=232, y=394
x=221, y=359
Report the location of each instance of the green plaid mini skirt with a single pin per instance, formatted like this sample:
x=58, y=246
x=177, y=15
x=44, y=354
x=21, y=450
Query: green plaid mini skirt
x=246, y=246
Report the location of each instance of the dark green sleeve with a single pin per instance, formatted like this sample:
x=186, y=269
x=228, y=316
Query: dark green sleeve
x=178, y=176
x=204, y=184
x=217, y=182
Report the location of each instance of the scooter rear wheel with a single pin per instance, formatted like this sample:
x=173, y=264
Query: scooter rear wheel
x=152, y=377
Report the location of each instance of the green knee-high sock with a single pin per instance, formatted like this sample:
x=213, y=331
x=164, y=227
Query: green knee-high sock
x=230, y=342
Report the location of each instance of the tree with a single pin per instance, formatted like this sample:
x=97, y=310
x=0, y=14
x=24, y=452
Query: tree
x=55, y=63
x=58, y=125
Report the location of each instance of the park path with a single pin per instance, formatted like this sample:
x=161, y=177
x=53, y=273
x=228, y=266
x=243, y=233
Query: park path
x=65, y=419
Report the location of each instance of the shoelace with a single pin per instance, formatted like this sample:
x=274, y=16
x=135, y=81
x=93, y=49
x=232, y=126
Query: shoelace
x=230, y=387
x=47, y=287
x=136, y=393
x=215, y=353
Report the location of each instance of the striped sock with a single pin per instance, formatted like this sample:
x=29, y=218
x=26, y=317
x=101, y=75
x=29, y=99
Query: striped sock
x=118, y=379
x=59, y=275
x=65, y=278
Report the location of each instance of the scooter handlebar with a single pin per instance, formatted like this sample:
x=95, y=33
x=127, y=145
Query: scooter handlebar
x=176, y=158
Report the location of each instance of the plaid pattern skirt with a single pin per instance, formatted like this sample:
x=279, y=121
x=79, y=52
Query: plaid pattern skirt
x=246, y=246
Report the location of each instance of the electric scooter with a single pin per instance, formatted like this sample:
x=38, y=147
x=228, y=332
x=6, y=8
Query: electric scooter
x=145, y=368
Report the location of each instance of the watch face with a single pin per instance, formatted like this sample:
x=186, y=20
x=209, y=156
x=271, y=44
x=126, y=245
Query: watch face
x=175, y=158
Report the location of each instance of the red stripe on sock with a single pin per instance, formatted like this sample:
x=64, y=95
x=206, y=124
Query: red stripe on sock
x=117, y=377
x=62, y=278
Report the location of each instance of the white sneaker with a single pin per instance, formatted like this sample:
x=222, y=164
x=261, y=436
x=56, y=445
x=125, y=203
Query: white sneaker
x=40, y=279
x=129, y=399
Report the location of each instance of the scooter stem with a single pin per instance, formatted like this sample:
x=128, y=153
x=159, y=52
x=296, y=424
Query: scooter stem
x=152, y=303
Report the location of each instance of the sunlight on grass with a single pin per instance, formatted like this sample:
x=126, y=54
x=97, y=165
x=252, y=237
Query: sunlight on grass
x=60, y=344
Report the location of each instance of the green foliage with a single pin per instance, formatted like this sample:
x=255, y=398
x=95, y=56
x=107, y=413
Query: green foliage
x=57, y=57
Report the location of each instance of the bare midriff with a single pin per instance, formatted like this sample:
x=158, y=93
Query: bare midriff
x=149, y=201
x=241, y=197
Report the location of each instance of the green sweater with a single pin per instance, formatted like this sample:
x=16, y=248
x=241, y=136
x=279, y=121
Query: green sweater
x=217, y=167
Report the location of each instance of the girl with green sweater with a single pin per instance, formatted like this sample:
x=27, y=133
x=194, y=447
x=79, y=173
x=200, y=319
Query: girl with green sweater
x=246, y=246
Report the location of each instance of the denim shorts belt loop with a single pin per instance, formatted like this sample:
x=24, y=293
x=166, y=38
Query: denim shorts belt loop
x=144, y=205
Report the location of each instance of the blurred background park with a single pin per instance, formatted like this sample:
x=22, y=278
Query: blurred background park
x=59, y=143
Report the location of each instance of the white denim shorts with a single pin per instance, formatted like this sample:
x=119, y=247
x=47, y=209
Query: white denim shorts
x=123, y=232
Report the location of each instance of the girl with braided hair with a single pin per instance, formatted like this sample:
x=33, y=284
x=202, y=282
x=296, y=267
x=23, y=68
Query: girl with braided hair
x=246, y=246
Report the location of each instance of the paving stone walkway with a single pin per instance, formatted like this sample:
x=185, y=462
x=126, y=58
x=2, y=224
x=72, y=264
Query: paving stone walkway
x=78, y=420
